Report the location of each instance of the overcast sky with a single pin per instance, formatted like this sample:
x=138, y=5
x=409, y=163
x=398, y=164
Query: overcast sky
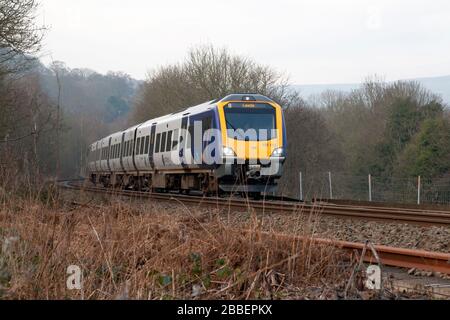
x=313, y=41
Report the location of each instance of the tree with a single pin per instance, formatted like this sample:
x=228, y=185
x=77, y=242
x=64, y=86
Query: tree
x=207, y=74
x=428, y=154
x=312, y=148
x=374, y=123
x=20, y=37
x=115, y=108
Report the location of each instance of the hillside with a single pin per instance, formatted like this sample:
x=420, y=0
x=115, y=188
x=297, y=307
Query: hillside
x=108, y=97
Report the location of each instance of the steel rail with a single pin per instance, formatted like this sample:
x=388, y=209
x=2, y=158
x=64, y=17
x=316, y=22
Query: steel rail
x=427, y=217
x=390, y=256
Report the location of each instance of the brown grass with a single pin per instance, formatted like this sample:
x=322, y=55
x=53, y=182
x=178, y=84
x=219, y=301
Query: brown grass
x=157, y=252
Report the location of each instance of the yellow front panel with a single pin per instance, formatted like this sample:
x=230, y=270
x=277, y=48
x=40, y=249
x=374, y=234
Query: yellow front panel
x=252, y=149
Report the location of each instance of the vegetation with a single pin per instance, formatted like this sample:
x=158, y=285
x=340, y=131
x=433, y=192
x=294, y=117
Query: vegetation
x=20, y=36
x=49, y=116
x=129, y=252
x=207, y=74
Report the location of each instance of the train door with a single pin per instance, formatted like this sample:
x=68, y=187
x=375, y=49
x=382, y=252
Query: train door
x=133, y=148
x=122, y=153
x=109, y=154
x=98, y=154
x=169, y=137
x=199, y=140
x=152, y=146
x=183, y=142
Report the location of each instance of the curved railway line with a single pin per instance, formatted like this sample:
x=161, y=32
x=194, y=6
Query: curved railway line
x=398, y=257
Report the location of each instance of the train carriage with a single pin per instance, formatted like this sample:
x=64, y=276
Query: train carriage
x=234, y=144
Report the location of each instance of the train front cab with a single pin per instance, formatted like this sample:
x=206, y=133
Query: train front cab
x=252, y=160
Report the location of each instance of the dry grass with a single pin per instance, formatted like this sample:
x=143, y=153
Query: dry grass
x=156, y=253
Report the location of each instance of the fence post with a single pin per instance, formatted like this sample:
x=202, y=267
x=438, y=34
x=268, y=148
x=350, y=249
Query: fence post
x=301, y=186
x=418, y=189
x=331, y=187
x=370, y=187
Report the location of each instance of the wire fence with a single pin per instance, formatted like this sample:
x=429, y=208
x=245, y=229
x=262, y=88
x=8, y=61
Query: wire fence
x=342, y=186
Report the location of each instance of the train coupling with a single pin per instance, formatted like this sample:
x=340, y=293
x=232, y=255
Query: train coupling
x=254, y=171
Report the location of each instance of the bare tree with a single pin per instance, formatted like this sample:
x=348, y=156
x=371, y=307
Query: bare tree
x=55, y=67
x=20, y=37
x=207, y=74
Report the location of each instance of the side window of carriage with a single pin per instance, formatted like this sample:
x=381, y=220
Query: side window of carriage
x=147, y=141
x=163, y=142
x=158, y=143
x=175, y=139
x=169, y=141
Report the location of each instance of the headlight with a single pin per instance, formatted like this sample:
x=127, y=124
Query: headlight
x=228, y=152
x=278, y=152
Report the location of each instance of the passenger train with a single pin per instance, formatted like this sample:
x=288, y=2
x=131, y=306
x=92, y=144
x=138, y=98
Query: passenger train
x=232, y=145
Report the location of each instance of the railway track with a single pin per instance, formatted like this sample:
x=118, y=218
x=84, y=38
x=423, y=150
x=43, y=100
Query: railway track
x=391, y=256
x=386, y=214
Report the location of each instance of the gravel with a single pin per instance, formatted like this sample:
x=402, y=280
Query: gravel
x=391, y=234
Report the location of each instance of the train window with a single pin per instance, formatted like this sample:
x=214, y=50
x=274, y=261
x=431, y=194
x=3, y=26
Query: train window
x=163, y=142
x=175, y=139
x=169, y=141
x=147, y=140
x=152, y=142
x=142, y=145
x=190, y=137
x=138, y=143
x=158, y=140
x=260, y=118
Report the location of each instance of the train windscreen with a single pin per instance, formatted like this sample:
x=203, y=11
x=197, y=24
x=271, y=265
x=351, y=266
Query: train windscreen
x=250, y=121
